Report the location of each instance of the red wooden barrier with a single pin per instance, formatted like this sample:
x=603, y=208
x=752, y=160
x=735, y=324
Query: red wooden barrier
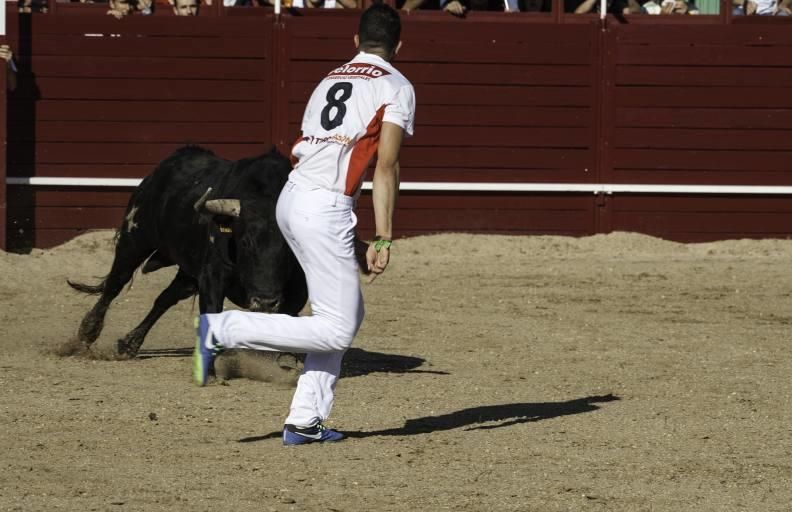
x=111, y=98
x=703, y=104
x=522, y=98
x=3, y=173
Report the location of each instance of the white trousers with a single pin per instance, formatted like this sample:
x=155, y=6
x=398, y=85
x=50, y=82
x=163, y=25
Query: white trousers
x=319, y=226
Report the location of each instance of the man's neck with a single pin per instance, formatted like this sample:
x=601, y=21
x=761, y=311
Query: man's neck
x=379, y=53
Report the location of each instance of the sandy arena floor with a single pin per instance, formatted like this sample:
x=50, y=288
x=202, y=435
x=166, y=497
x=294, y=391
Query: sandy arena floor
x=611, y=373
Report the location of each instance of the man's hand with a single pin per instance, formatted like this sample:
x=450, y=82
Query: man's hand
x=117, y=14
x=376, y=261
x=361, y=249
x=455, y=7
x=5, y=52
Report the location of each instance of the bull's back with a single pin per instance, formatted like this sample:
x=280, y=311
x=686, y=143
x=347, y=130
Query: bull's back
x=162, y=205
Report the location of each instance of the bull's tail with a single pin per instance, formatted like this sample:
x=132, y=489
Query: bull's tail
x=87, y=288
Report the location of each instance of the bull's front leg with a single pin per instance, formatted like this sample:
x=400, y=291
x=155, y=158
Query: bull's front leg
x=182, y=287
x=211, y=288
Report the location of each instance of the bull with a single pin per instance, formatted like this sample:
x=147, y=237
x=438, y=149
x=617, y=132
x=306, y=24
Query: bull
x=215, y=220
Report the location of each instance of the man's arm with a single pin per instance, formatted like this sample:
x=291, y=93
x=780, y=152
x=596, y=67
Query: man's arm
x=411, y=5
x=384, y=194
x=585, y=6
x=7, y=56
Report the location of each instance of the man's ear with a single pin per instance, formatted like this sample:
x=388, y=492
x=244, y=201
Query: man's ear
x=357, y=41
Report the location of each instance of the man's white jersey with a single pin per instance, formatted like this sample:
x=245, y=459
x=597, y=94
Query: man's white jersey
x=342, y=121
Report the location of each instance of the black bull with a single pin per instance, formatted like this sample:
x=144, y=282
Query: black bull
x=226, y=242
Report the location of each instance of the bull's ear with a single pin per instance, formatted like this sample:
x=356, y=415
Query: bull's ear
x=229, y=207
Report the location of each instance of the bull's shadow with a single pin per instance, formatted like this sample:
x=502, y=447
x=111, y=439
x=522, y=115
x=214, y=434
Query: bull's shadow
x=479, y=418
x=357, y=362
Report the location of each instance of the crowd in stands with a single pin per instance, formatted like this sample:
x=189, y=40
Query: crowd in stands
x=121, y=8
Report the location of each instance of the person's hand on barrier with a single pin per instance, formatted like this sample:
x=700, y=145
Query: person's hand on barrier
x=5, y=52
x=680, y=7
x=455, y=7
x=7, y=55
x=145, y=6
x=119, y=8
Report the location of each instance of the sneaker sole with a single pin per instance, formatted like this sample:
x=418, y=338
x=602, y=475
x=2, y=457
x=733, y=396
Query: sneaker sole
x=198, y=369
x=301, y=440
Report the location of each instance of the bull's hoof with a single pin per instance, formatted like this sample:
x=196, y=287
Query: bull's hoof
x=126, y=349
x=90, y=329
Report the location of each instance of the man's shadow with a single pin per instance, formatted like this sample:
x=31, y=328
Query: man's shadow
x=357, y=362
x=479, y=418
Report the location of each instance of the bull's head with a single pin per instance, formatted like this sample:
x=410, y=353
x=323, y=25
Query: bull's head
x=245, y=232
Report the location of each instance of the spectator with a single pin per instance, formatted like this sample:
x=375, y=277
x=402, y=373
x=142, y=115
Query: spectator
x=455, y=7
x=618, y=7
x=738, y=7
x=185, y=7
x=769, y=8
x=684, y=7
x=327, y=4
x=536, y=5
x=121, y=8
x=655, y=7
x=762, y=7
x=145, y=7
x=11, y=70
x=30, y=6
x=510, y=5
x=246, y=3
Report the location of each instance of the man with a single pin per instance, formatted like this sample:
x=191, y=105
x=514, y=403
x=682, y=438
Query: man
x=120, y=8
x=31, y=6
x=359, y=109
x=455, y=7
x=7, y=55
x=185, y=7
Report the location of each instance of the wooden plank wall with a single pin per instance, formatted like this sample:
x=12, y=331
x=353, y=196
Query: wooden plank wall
x=701, y=105
x=498, y=104
x=501, y=99
x=108, y=98
x=3, y=143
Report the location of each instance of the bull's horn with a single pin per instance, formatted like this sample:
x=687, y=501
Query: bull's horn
x=230, y=207
x=200, y=202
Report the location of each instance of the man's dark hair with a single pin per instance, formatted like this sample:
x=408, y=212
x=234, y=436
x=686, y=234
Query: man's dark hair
x=380, y=27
